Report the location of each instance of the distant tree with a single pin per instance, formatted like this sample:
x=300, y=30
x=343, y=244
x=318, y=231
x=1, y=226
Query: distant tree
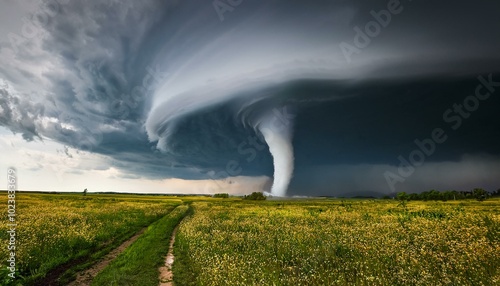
x=434, y=195
x=425, y=196
x=402, y=196
x=479, y=194
x=221, y=195
x=456, y=195
x=255, y=196
x=413, y=197
x=447, y=195
x=496, y=194
x=468, y=195
x=85, y=192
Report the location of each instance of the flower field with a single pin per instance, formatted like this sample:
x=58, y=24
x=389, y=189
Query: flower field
x=54, y=229
x=273, y=242
x=333, y=242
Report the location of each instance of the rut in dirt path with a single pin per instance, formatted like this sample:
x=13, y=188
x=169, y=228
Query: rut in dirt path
x=166, y=274
x=85, y=277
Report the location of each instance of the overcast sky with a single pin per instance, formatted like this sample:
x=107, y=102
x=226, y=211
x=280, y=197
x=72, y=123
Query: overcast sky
x=168, y=96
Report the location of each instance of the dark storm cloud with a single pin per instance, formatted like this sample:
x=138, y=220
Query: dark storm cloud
x=129, y=79
x=97, y=88
x=19, y=114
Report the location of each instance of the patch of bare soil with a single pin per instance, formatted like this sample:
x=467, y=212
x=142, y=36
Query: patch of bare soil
x=85, y=277
x=166, y=274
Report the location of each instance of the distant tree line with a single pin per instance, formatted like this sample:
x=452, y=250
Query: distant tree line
x=433, y=195
x=255, y=196
x=221, y=195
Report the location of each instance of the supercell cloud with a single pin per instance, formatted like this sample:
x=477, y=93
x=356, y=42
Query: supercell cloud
x=213, y=90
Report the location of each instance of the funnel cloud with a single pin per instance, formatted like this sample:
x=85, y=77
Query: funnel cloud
x=278, y=137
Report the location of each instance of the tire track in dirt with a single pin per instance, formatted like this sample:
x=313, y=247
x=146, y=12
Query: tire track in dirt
x=166, y=274
x=85, y=277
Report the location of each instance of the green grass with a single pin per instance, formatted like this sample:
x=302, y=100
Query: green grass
x=139, y=263
x=184, y=269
